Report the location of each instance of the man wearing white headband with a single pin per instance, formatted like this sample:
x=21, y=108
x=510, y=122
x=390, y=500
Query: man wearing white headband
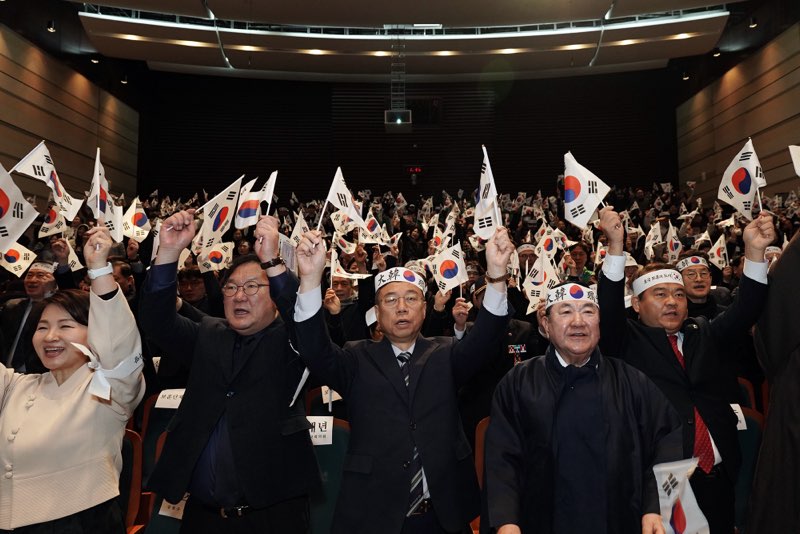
x=685, y=357
x=567, y=426
x=696, y=274
x=410, y=467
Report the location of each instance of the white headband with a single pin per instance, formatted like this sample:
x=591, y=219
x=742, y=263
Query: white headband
x=772, y=250
x=692, y=261
x=43, y=266
x=399, y=274
x=526, y=247
x=571, y=293
x=662, y=276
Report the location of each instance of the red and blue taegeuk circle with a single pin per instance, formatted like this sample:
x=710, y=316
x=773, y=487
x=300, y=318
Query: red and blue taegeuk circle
x=12, y=256
x=576, y=292
x=372, y=226
x=448, y=269
x=409, y=275
x=220, y=218
x=103, y=200
x=673, y=245
x=5, y=203
x=139, y=219
x=215, y=256
x=54, y=180
x=741, y=181
x=249, y=208
x=548, y=244
x=51, y=216
x=572, y=188
x=695, y=259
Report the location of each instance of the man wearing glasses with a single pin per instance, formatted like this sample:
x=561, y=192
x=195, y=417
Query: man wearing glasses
x=239, y=443
x=693, y=266
x=409, y=467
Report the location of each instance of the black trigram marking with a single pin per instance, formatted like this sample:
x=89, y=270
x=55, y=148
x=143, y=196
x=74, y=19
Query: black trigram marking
x=485, y=222
x=579, y=210
x=38, y=170
x=485, y=193
x=592, y=187
x=18, y=210
x=669, y=484
x=231, y=195
x=3, y=231
x=744, y=156
x=342, y=199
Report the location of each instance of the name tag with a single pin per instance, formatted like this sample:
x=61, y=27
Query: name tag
x=741, y=424
x=170, y=398
x=157, y=361
x=329, y=395
x=173, y=510
x=321, y=429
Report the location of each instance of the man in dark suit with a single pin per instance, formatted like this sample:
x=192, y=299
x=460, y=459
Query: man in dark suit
x=239, y=442
x=684, y=356
x=409, y=468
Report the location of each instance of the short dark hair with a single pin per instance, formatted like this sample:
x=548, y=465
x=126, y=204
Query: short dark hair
x=74, y=301
x=124, y=267
x=582, y=245
x=238, y=262
x=192, y=271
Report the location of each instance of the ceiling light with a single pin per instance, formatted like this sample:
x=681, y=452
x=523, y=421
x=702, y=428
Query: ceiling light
x=95, y=60
x=510, y=51
x=626, y=42
x=431, y=26
x=381, y=53
x=124, y=80
x=753, y=22
x=682, y=36
x=51, y=26
x=716, y=52
x=685, y=76
x=316, y=52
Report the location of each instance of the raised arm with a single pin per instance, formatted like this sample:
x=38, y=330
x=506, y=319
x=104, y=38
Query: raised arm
x=611, y=286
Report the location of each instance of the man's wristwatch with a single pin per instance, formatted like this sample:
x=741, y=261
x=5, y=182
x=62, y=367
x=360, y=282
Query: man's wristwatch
x=97, y=273
x=491, y=280
x=274, y=262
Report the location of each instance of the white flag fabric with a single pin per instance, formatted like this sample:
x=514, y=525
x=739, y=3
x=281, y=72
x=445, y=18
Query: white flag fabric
x=794, y=152
x=114, y=221
x=543, y=276
x=72, y=259
x=247, y=210
x=342, y=223
x=704, y=237
x=600, y=253
x=730, y=221
x=718, y=255
x=449, y=269
x=674, y=246
x=38, y=164
x=216, y=258
x=339, y=196
x=16, y=213
x=99, y=198
x=370, y=231
x=268, y=191
x=155, y=231
x=16, y=259
x=680, y=513
x=218, y=215
x=339, y=271
x=346, y=246
x=476, y=242
x=741, y=181
x=54, y=223
x=653, y=238
x=487, y=213
x=135, y=223
x=300, y=228
x=547, y=246
x=583, y=192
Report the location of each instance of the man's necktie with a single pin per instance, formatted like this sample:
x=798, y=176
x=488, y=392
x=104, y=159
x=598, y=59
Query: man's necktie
x=416, y=481
x=702, y=439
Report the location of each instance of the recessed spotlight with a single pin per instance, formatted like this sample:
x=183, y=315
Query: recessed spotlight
x=753, y=22
x=124, y=80
x=95, y=60
x=685, y=76
x=716, y=52
x=51, y=26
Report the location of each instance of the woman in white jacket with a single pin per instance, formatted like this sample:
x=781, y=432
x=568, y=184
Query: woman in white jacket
x=61, y=432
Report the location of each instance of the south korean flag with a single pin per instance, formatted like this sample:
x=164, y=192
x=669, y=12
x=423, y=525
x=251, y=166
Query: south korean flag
x=17, y=259
x=16, y=213
x=54, y=223
x=583, y=192
x=39, y=165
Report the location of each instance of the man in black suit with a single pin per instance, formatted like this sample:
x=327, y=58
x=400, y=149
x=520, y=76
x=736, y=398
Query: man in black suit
x=239, y=442
x=409, y=467
x=685, y=356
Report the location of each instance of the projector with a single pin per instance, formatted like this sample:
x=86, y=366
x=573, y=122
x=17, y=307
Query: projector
x=397, y=120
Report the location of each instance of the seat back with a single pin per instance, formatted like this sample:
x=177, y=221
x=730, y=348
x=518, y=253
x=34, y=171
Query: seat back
x=130, y=478
x=161, y=524
x=154, y=422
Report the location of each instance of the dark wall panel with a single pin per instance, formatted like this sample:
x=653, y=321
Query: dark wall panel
x=204, y=132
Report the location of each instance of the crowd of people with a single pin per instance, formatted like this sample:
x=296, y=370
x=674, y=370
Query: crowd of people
x=626, y=362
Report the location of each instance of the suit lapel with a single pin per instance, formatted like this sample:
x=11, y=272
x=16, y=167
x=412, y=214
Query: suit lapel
x=383, y=358
x=658, y=337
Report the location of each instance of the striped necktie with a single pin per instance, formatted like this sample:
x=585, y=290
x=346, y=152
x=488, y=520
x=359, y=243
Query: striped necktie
x=416, y=492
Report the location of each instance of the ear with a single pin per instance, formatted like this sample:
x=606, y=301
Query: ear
x=546, y=325
x=635, y=303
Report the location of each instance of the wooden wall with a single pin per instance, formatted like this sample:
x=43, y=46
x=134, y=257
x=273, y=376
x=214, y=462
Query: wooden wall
x=40, y=98
x=759, y=98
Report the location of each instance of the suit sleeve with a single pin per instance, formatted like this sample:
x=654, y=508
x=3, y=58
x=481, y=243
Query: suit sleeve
x=743, y=312
x=613, y=321
x=175, y=334
x=332, y=365
x=504, y=456
x=777, y=334
x=484, y=338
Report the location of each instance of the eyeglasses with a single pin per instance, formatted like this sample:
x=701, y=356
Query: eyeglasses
x=249, y=288
x=694, y=275
x=410, y=300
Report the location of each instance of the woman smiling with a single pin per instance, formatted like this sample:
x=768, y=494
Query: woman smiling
x=62, y=430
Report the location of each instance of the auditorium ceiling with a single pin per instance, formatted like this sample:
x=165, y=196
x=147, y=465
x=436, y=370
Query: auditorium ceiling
x=363, y=40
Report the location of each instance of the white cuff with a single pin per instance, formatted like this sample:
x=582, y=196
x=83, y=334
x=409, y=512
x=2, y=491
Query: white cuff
x=614, y=267
x=307, y=305
x=99, y=385
x=459, y=333
x=495, y=302
x=756, y=270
